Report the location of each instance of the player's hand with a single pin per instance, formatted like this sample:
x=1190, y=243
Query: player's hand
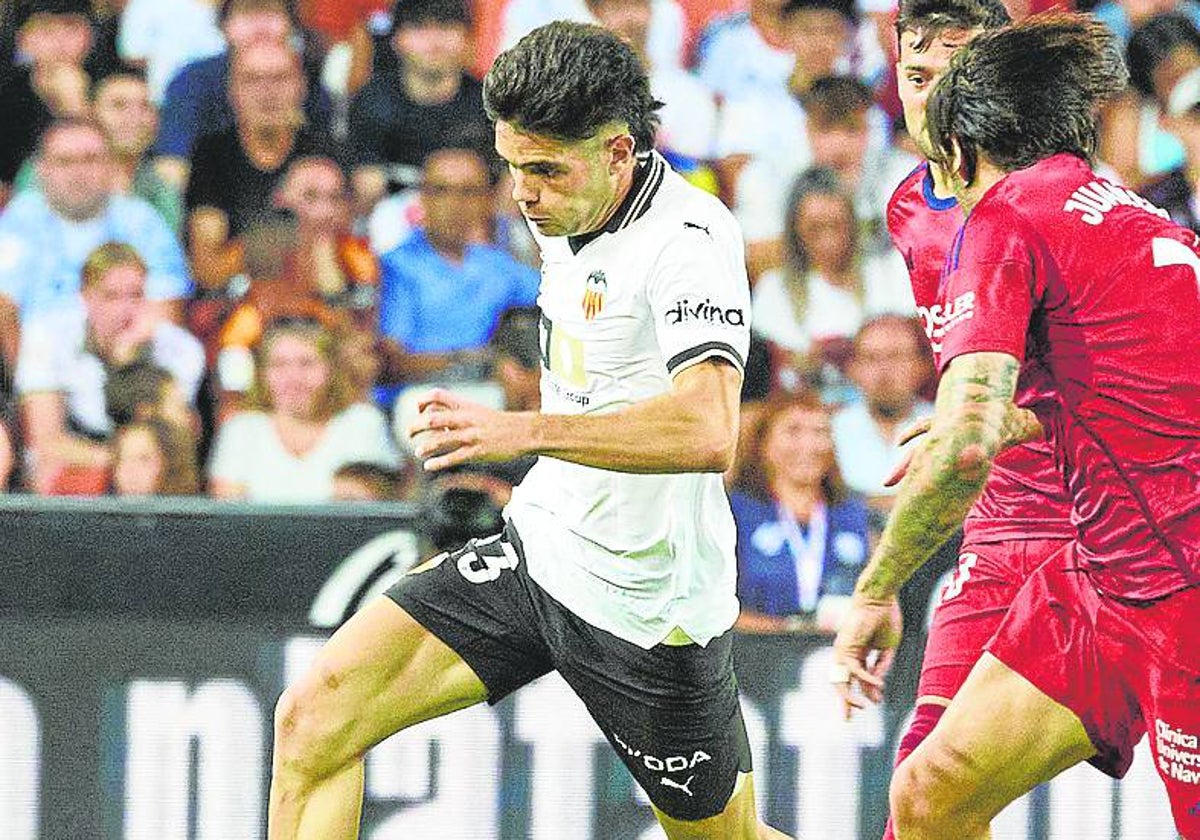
x=863, y=651
x=910, y=433
x=450, y=431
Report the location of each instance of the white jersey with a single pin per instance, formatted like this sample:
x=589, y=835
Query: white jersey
x=661, y=288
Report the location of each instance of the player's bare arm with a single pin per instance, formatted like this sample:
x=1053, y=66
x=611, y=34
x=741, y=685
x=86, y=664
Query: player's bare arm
x=691, y=428
x=974, y=420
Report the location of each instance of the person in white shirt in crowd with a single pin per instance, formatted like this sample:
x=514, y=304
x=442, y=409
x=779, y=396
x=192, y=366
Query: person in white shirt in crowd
x=164, y=37
x=665, y=35
x=46, y=236
x=66, y=356
x=828, y=285
x=840, y=128
x=687, y=134
x=302, y=423
x=763, y=49
x=890, y=365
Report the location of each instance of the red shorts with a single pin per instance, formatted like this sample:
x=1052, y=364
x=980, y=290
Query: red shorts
x=972, y=606
x=1124, y=669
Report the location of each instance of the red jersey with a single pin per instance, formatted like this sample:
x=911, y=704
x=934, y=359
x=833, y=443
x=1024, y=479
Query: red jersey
x=1025, y=496
x=1098, y=293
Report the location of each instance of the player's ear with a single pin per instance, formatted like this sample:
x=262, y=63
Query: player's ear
x=621, y=150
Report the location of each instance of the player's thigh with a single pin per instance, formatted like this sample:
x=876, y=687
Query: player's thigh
x=999, y=738
x=380, y=672
x=738, y=821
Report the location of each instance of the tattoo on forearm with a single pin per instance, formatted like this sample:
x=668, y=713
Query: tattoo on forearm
x=974, y=421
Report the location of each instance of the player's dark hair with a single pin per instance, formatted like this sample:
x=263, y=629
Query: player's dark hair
x=1025, y=92
x=929, y=18
x=566, y=80
x=1153, y=42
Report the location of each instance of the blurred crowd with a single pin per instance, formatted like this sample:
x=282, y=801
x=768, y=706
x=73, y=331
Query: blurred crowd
x=239, y=236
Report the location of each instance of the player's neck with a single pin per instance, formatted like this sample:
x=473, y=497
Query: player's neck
x=987, y=175
x=943, y=187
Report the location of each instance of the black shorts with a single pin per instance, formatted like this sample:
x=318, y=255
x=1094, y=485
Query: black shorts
x=670, y=712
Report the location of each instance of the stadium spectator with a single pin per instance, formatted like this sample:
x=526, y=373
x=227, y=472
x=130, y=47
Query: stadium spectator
x=890, y=365
x=53, y=39
x=163, y=38
x=802, y=535
x=665, y=35
x=154, y=458
x=66, y=356
x=143, y=391
x=842, y=130
x=8, y=459
x=198, y=99
x=362, y=481
x=235, y=172
x=1175, y=191
x=829, y=284
x=302, y=423
x=428, y=102
x=1133, y=140
x=1123, y=17
x=443, y=290
x=121, y=107
x=688, y=119
x=46, y=236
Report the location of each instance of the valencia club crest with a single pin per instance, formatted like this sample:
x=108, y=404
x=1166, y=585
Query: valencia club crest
x=593, y=294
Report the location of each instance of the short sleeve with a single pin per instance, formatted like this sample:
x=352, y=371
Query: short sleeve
x=700, y=297
x=234, y=457
x=38, y=368
x=367, y=437
x=988, y=293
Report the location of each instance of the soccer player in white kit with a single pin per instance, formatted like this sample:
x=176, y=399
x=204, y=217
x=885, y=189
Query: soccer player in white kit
x=616, y=565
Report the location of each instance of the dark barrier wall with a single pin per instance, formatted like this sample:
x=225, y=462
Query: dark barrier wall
x=144, y=646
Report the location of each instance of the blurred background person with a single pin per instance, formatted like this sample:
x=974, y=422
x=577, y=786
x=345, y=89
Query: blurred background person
x=362, y=481
x=443, y=290
x=49, y=80
x=1176, y=191
x=66, y=356
x=235, y=172
x=802, y=536
x=46, y=236
x=198, y=100
x=811, y=308
x=300, y=425
x=142, y=390
x=428, y=102
x=163, y=38
x=744, y=52
x=153, y=458
x=122, y=110
x=891, y=368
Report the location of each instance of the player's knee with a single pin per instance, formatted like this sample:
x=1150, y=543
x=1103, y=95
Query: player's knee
x=931, y=789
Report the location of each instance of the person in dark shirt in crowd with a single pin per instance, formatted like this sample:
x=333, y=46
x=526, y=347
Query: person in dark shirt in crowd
x=443, y=290
x=198, y=98
x=802, y=535
x=236, y=171
x=429, y=102
x=53, y=39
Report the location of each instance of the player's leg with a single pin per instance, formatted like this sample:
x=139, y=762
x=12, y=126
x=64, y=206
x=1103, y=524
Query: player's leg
x=1156, y=646
x=969, y=610
x=452, y=632
x=738, y=820
x=1000, y=738
x=381, y=672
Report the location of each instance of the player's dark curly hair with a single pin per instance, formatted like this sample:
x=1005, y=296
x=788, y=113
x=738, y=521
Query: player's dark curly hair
x=565, y=80
x=930, y=18
x=1025, y=92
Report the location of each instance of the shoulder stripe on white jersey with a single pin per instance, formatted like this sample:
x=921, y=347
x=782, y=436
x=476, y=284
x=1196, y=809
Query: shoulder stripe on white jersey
x=649, y=188
x=708, y=348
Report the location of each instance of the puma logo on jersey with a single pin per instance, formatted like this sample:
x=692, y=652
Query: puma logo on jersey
x=686, y=310
x=673, y=784
x=698, y=227
x=939, y=320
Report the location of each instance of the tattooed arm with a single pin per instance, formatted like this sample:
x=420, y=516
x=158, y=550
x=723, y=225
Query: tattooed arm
x=974, y=419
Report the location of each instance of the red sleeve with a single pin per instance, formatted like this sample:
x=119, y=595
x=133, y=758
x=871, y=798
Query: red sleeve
x=989, y=291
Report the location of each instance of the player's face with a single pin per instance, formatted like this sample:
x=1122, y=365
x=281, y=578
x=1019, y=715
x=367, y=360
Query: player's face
x=917, y=71
x=563, y=188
